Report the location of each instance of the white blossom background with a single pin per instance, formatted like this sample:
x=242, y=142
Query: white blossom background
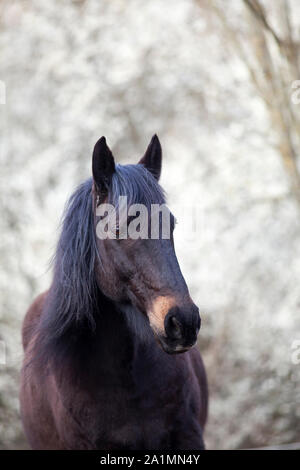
x=76, y=70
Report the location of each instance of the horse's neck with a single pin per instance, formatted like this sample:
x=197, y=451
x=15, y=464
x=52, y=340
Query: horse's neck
x=122, y=339
x=123, y=342
x=116, y=344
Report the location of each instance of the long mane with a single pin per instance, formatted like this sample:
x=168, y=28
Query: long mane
x=72, y=296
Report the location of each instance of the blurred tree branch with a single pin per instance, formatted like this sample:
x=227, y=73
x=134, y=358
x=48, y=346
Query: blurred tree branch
x=257, y=10
x=272, y=70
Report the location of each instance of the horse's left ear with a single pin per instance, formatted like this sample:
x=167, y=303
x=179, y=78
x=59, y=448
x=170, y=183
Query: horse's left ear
x=103, y=165
x=153, y=157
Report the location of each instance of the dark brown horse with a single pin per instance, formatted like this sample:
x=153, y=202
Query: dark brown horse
x=99, y=370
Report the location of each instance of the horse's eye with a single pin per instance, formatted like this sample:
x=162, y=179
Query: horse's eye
x=130, y=219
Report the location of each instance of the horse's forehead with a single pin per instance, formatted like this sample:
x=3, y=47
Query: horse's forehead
x=136, y=184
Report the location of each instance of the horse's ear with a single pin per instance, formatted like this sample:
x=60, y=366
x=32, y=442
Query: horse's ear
x=153, y=157
x=103, y=165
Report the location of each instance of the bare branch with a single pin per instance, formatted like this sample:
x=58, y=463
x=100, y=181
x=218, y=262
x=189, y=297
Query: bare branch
x=258, y=12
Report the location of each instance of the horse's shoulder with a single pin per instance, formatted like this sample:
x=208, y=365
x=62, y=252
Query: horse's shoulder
x=32, y=318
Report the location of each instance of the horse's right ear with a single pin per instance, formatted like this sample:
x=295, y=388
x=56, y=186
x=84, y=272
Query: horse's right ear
x=103, y=165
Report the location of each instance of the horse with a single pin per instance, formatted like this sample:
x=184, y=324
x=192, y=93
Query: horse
x=109, y=357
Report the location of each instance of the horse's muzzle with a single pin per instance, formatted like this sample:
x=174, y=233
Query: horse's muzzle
x=182, y=326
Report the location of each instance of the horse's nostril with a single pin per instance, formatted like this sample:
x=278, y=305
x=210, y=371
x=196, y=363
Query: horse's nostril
x=173, y=327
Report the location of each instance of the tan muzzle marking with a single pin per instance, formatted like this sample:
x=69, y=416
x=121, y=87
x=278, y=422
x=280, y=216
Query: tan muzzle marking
x=158, y=311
